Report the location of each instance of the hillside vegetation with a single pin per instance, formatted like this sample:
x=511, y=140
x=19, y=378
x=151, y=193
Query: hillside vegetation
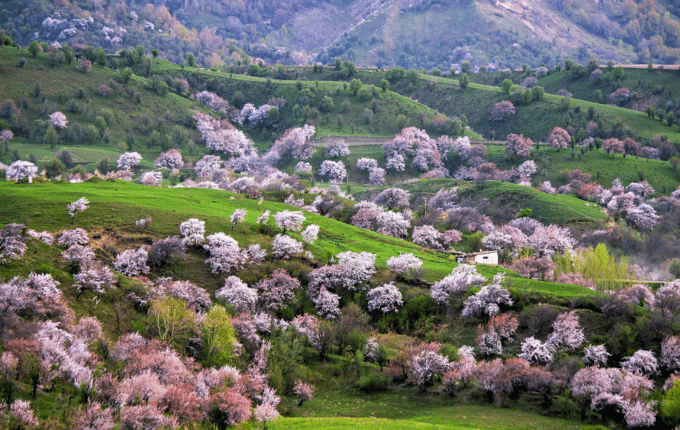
x=135, y=116
x=425, y=33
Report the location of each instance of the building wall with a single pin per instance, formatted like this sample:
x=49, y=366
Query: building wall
x=491, y=258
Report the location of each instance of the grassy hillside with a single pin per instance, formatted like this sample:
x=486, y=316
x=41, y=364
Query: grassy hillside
x=534, y=120
x=133, y=116
x=306, y=104
x=547, y=208
x=136, y=117
x=657, y=88
x=395, y=411
x=117, y=205
x=553, y=166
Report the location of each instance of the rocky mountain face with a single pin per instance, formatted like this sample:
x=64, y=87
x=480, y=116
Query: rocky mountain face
x=409, y=33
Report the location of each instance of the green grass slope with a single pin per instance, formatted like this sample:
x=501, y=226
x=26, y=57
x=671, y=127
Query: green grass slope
x=386, y=106
x=553, y=166
x=160, y=122
x=117, y=205
x=558, y=209
x=657, y=88
x=169, y=115
x=407, y=410
x=534, y=120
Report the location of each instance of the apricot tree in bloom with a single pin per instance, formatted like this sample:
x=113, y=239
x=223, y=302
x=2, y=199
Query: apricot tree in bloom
x=294, y=144
x=285, y=246
x=327, y=304
x=499, y=328
x=642, y=217
x=224, y=253
x=551, y=240
x=93, y=417
x=58, y=120
x=396, y=162
x=376, y=176
x=128, y=160
x=385, y=298
x=207, y=166
x=518, y=145
x=237, y=294
x=38, y=295
x=237, y=217
x=642, y=361
x=338, y=148
x=488, y=300
x=670, y=354
x=367, y=164
x=22, y=413
x=405, y=264
x=193, y=231
x=95, y=277
x=303, y=392
x=506, y=238
x=144, y=417
x=303, y=167
x=151, y=179
x=567, y=332
x=535, y=351
x=45, y=236
x=425, y=363
x=6, y=135
x=171, y=159
x=77, y=255
x=613, y=146
x=12, y=246
x=310, y=234
x=392, y=224
x=334, y=170
x=559, y=138
x=274, y=292
x=76, y=236
x=595, y=355
x=429, y=237
x=393, y=198
x=527, y=168
x=456, y=283
x=502, y=110
x=132, y=262
x=21, y=169
x=289, y=220
x=196, y=298
x=231, y=142
x=79, y=205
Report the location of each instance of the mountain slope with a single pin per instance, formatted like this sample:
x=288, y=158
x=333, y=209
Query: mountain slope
x=413, y=34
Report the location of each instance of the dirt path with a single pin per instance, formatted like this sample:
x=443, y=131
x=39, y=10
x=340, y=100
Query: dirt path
x=656, y=66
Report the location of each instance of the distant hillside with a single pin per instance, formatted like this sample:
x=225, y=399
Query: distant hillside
x=536, y=118
x=106, y=114
x=151, y=111
x=412, y=34
x=509, y=198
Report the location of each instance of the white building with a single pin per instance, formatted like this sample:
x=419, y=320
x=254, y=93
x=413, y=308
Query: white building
x=481, y=257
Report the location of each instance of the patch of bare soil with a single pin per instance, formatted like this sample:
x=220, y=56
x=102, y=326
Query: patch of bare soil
x=641, y=104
